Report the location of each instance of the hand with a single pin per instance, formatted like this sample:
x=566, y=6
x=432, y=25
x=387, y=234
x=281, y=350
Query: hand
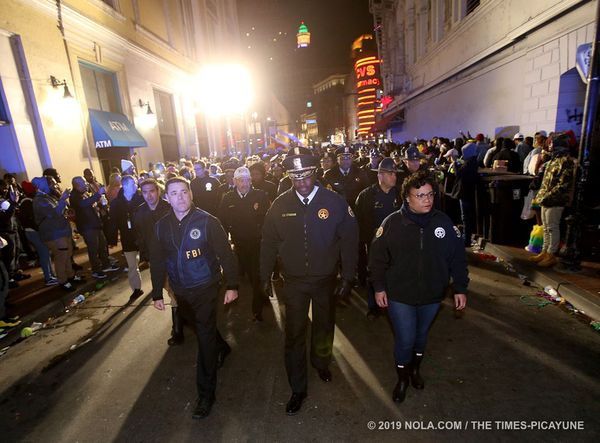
x=65, y=194
x=460, y=301
x=381, y=299
x=267, y=289
x=230, y=296
x=159, y=304
x=102, y=190
x=343, y=290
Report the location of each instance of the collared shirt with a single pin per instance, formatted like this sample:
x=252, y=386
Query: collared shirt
x=344, y=173
x=310, y=196
x=240, y=194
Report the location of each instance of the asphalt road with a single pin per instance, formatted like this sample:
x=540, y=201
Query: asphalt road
x=504, y=363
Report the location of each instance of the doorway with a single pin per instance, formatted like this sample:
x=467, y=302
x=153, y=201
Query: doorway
x=167, y=126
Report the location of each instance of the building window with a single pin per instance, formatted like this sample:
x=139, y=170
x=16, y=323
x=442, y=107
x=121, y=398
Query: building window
x=100, y=88
x=471, y=5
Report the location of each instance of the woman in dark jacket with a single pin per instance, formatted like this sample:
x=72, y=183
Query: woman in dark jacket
x=121, y=215
x=415, y=252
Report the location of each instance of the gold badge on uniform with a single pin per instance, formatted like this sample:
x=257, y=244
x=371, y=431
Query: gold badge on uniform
x=256, y=206
x=329, y=187
x=323, y=214
x=379, y=232
x=350, y=211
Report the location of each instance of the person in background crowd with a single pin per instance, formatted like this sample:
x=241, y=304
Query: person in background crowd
x=345, y=179
x=369, y=171
x=153, y=209
x=192, y=248
x=128, y=168
x=532, y=163
x=258, y=173
x=114, y=186
x=373, y=205
x=55, y=229
x=415, y=253
x=242, y=213
x=277, y=172
x=205, y=189
x=51, y=172
x=186, y=173
x=27, y=221
x=465, y=190
x=215, y=171
x=9, y=199
x=554, y=194
x=488, y=160
x=411, y=164
x=312, y=230
x=122, y=211
x=226, y=179
x=507, y=153
x=89, y=225
x=524, y=146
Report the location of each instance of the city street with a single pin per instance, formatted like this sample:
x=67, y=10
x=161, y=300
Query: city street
x=505, y=360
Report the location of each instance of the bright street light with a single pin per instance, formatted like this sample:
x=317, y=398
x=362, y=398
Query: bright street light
x=224, y=89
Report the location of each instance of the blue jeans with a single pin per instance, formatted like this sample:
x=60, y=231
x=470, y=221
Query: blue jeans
x=42, y=252
x=411, y=326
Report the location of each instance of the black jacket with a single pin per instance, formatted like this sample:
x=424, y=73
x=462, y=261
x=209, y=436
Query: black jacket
x=269, y=187
x=144, y=221
x=310, y=240
x=244, y=217
x=122, y=218
x=365, y=208
x=87, y=216
x=348, y=186
x=206, y=193
x=465, y=182
x=191, y=251
x=413, y=264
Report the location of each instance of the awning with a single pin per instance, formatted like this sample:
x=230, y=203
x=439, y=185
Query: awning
x=114, y=130
x=395, y=118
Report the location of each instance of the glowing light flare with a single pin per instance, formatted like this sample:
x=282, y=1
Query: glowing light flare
x=223, y=89
x=61, y=110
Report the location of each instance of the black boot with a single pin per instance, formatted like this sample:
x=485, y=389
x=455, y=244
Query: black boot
x=177, y=330
x=402, y=385
x=415, y=377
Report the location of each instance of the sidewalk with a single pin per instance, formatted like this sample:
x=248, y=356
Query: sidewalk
x=34, y=301
x=581, y=289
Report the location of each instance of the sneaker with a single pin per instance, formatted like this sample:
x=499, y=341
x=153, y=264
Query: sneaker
x=111, y=268
x=100, y=274
x=52, y=282
x=12, y=284
x=68, y=286
x=137, y=293
x=9, y=323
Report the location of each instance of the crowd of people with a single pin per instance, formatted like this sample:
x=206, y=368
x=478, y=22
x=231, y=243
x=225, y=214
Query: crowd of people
x=322, y=219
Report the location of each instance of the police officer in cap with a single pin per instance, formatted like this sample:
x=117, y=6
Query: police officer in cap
x=205, y=189
x=192, y=248
x=242, y=213
x=312, y=230
x=373, y=205
x=411, y=163
x=370, y=170
x=345, y=179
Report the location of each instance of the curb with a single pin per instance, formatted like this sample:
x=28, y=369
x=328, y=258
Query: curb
x=581, y=299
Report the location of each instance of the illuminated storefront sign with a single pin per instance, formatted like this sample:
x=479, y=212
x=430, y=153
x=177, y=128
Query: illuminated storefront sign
x=366, y=70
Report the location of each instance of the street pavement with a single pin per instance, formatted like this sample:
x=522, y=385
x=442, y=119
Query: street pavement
x=505, y=362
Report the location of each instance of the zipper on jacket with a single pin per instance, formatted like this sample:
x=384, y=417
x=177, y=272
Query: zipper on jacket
x=421, y=238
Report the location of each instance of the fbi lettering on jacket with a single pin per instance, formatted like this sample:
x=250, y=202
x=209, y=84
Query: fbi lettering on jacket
x=194, y=253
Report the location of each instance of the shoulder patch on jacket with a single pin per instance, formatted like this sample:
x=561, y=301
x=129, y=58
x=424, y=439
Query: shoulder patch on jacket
x=350, y=211
x=458, y=234
x=379, y=232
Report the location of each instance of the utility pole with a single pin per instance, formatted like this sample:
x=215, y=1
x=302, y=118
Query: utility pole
x=589, y=156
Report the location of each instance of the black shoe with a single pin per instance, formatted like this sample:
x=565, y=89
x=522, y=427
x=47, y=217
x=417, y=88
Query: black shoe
x=325, y=375
x=68, y=286
x=373, y=313
x=203, y=407
x=400, y=390
x=295, y=403
x=415, y=377
x=76, y=280
x=18, y=276
x=177, y=330
x=99, y=275
x=222, y=355
x=258, y=317
x=12, y=284
x=137, y=293
x=111, y=268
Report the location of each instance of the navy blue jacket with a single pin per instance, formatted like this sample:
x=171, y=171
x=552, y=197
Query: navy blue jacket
x=191, y=251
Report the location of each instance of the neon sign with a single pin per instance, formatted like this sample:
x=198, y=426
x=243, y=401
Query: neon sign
x=366, y=70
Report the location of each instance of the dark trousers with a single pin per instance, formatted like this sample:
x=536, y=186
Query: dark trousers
x=249, y=260
x=97, y=248
x=362, y=263
x=298, y=295
x=199, y=309
x=411, y=325
x=467, y=213
x=9, y=252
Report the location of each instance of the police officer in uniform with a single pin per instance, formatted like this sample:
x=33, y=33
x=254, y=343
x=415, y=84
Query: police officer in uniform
x=346, y=178
x=312, y=230
x=205, y=189
x=242, y=213
x=373, y=205
x=192, y=247
x=146, y=216
x=370, y=170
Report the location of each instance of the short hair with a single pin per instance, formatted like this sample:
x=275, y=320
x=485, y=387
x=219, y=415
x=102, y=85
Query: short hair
x=177, y=179
x=415, y=181
x=150, y=181
x=200, y=163
x=128, y=177
x=77, y=177
x=260, y=167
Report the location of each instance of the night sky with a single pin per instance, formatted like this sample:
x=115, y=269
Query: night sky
x=333, y=24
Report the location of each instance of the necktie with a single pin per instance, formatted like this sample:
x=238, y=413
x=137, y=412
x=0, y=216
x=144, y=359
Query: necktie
x=305, y=201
